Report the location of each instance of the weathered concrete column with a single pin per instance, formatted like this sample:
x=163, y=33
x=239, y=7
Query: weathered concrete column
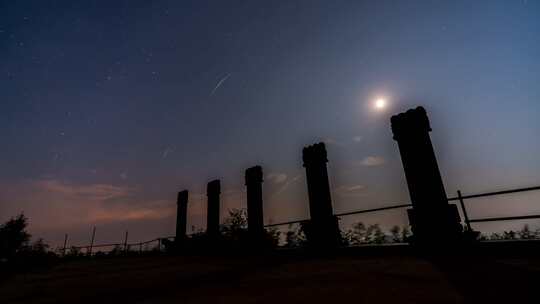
x=432, y=218
x=181, y=215
x=254, y=179
x=322, y=229
x=213, y=191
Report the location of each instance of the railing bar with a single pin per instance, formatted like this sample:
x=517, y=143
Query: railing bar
x=374, y=209
x=105, y=245
x=496, y=193
x=286, y=223
x=95, y=246
x=507, y=218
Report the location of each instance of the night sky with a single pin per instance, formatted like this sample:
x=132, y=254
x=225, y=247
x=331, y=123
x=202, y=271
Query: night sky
x=108, y=108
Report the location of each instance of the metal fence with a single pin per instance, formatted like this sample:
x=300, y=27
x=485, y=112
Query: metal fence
x=461, y=198
x=157, y=244
x=92, y=249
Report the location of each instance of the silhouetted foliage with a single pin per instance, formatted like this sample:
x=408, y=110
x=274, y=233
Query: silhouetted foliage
x=13, y=237
x=396, y=234
x=273, y=235
x=373, y=234
x=405, y=234
x=524, y=234
x=233, y=236
x=235, y=225
x=234, y=229
x=378, y=235
x=17, y=254
x=39, y=246
x=295, y=237
x=73, y=252
x=117, y=250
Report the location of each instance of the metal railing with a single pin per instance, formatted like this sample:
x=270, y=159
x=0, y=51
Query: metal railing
x=127, y=247
x=123, y=247
x=461, y=198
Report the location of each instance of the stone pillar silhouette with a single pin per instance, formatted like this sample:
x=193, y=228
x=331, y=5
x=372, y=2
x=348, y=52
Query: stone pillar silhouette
x=322, y=230
x=213, y=191
x=254, y=179
x=432, y=219
x=181, y=215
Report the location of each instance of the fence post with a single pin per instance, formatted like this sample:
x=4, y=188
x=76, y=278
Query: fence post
x=65, y=244
x=125, y=241
x=465, y=215
x=92, y=242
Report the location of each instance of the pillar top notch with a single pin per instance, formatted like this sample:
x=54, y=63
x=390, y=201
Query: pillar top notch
x=254, y=175
x=315, y=153
x=410, y=122
x=214, y=186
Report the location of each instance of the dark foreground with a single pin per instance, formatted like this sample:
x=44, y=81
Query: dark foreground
x=290, y=277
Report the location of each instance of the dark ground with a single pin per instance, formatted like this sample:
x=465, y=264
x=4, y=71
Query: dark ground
x=347, y=277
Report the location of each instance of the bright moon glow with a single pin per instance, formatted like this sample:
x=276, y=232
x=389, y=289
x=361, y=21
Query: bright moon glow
x=380, y=103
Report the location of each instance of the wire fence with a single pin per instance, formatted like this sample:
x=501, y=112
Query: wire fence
x=158, y=243
x=461, y=198
x=93, y=249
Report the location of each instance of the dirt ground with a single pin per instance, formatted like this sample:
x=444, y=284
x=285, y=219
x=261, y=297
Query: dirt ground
x=280, y=279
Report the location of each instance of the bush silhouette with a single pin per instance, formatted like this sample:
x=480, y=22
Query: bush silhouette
x=13, y=237
x=295, y=238
x=373, y=234
x=524, y=234
x=233, y=236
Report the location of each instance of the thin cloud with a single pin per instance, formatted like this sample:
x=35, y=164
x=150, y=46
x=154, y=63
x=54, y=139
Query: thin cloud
x=331, y=141
x=350, y=190
x=63, y=204
x=372, y=161
x=288, y=184
x=94, y=192
x=277, y=178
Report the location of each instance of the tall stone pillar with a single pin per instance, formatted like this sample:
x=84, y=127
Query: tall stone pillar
x=181, y=215
x=213, y=191
x=254, y=179
x=432, y=219
x=322, y=229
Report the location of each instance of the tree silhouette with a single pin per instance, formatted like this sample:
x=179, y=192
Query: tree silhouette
x=396, y=234
x=378, y=235
x=235, y=225
x=525, y=233
x=373, y=234
x=13, y=237
x=405, y=234
x=295, y=237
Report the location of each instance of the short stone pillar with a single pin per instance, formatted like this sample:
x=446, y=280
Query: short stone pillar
x=322, y=230
x=213, y=191
x=432, y=219
x=181, y=215
x=254, y=179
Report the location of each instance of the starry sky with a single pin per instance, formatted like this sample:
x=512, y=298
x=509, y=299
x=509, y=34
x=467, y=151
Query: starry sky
x=108, y=108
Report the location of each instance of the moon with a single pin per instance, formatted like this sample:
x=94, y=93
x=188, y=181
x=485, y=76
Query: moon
x=380, y=104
